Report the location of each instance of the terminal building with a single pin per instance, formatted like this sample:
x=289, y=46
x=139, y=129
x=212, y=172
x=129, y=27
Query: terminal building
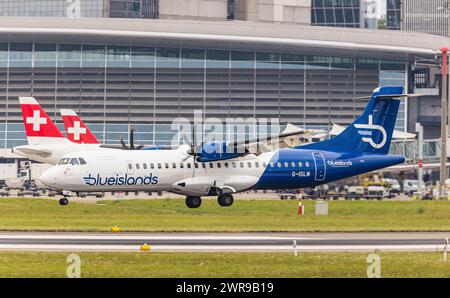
x=142, y=64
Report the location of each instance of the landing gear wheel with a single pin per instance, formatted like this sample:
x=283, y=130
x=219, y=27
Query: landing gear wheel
x=225, y=200
x=63, y=201
x=193, y=202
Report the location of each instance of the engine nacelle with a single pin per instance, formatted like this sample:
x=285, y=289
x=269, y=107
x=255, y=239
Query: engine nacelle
x=214, y=151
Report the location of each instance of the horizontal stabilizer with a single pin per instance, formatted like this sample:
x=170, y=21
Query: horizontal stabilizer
x=389, y=96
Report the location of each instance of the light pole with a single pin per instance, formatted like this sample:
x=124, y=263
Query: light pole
x=443, y=169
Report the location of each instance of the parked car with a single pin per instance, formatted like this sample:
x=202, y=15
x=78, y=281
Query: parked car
x=355, y=192
x=287, y=194
x=410, y=186
x=394, y=186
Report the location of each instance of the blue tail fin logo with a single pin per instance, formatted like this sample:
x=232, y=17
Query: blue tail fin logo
x=367, y=130
x=372, y=131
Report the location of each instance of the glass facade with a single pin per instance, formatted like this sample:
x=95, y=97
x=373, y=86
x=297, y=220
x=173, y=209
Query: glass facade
x=114, y=87
x=80, y=8
x=133, y=9
x=426, y=16
x=52, y=8
x=336, y=13
x=398, y=78
x=393, y=14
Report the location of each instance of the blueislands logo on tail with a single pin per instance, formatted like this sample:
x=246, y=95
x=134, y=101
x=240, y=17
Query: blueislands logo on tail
x=366, y=130
x=372, y=131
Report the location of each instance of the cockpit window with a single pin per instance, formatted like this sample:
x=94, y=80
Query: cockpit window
x=72, y=161
x=64, y=161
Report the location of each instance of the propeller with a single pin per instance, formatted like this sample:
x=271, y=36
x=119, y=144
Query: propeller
x=131, y=145
x=191, y=151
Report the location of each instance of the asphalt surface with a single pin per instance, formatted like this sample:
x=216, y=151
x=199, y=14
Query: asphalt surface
x=210, y=242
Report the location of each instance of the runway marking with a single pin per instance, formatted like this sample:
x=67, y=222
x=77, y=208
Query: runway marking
x=220, y=242
x=218, y=248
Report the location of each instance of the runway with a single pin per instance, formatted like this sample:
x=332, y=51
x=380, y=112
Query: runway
x=210, y=242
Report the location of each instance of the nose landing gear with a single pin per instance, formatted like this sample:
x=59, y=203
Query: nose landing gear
x=193, y=202
x=225, y=200
x=63, y=201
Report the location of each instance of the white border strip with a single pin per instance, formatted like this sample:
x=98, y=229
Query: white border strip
x=219, y=37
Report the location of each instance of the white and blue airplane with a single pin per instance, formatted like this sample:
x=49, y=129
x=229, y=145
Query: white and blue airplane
x=196, y=171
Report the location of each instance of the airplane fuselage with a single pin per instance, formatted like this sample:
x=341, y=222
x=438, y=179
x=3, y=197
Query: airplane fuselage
x=175, y=171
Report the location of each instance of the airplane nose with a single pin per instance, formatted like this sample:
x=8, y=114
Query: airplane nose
x=48, y=178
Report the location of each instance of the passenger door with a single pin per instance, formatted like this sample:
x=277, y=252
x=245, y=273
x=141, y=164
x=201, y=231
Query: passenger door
x=319, y=164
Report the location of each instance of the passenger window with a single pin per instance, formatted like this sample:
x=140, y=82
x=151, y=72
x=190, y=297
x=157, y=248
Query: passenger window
x=264, y=164
x=286, y=164
x=145, y=166
x=256, y=164
x=300, y=164
x=279, y=164
x=159, y=166
x=82, y=161
x=219, y=165
x=293, y=164
x=74, y=161
x=174, y=165
x=203, y=165
x=272, y=164
x=241, y=164
x=130, y=166
x=137, y=166
x=226, y=165
x=249, y=165
x=166, y=165
x=211, y=165
x=181, y=165
x=307, y=164
x=234, y=165
x=152, y=166
x=188, y=165
x=196, y=165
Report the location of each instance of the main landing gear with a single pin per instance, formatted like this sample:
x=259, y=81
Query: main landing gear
x=63, y=201
x=193, y=202
x=225, y=200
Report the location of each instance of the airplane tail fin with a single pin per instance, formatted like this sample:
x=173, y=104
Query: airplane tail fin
x=39, y=127
x=76, y=130
x=372, y=131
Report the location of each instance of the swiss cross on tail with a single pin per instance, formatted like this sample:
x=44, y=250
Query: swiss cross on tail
x=38, y=125
x=76, y=130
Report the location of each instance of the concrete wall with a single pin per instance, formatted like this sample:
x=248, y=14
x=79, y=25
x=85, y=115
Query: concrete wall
x=246, y=10
x=282, y=11
x=193, y=9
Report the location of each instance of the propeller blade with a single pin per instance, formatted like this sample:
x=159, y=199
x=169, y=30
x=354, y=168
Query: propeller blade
x=131, y=139
x=192, y=151
x=123, y=144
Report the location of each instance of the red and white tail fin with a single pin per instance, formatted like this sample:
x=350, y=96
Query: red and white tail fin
x=39, y=126
x=76, y=130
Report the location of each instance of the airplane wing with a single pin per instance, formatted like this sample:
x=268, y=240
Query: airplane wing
x=33, y=151
x=409, y=167
x=213, y=151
